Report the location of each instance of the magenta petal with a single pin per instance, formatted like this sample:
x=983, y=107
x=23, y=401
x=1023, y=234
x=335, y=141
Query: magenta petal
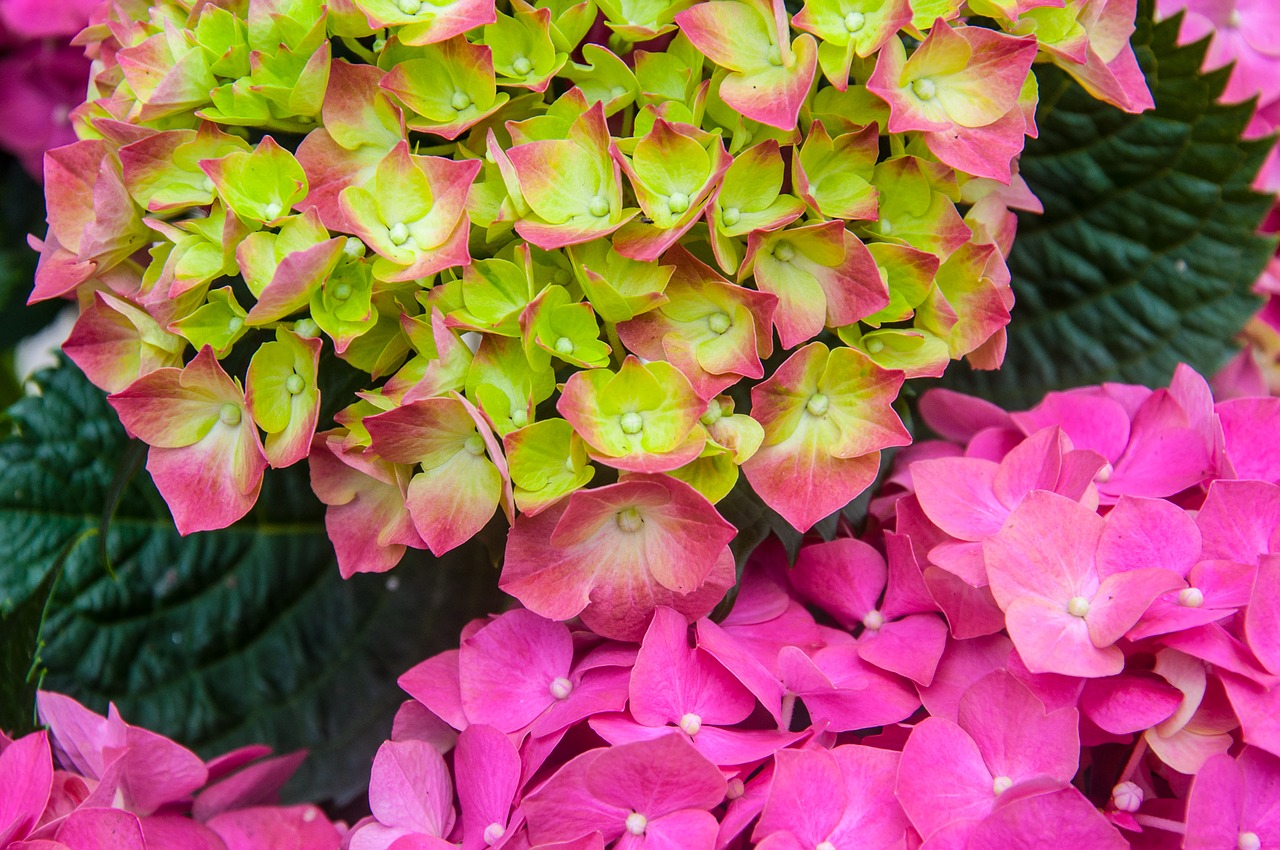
x=909, y=647
x=1044, y=552
x=1061, y=819
x=600, y=690
x=1215, y=805
x=435, y=684
x=731, y=747
x=101, y=829
x=1130, y=702
x=806, y=797
x=738, y=660
x=1092, y=422
x=656, y=778
x=1258, y=709
x=1147, y=533
x=507, y=669
x=1249, y=426
x=670, y=679
x=488, y=774
x=1262, y=619
x=1238, y=520
x=942, y=777
x=1033, y=465
x=1015, y=735
x=254, y=785
x=958, y=495
x=686, y=830
x=175, y=832
x=410, y=788
x=872, y=815
x=1122, y=598
x=860, y=696
x=845, y=577
x=26, y=779
x=963, y=663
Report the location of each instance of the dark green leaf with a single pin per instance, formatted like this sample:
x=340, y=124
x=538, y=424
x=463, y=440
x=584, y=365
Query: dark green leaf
x=221, y=638
x=1146, y=251
x=20, y=658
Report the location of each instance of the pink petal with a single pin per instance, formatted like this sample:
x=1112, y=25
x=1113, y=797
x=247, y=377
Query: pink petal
x=1249, y=426
x=738, y=660
x=1033, y=465
x=959, y=417
x=958, y=495
x=1262, y=618
x=963, y=663
x=1215, y=805
x=970, y=611
x=435, y=683
x=1051, y=640
x=1095, y=423
x=656, y=778
x=807, y=797
x=1044, y=552
x=1123, y=598
x=176, y=832
x=686, y=830
x=1238, y=520
x=254, y=785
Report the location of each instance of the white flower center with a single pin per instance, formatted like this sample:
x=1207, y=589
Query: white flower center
x=631, y=423
x=493, y=832
x=1191, y=597
x=294, y=384
x=1249, y=841
x=825, y=845
x=736, y=789
x=875, y=346
x=719, y=322
x=677, y=202
x=691, y=724
x=1078, y=606
x=229, y=414
x=398, y=233
x=924, y=89
x=273, y=210
x=636, y=823
x=353, y=248
x=874, y=620
x=475, y=445
x=1127, y=797
x=1001, y=784
x=561, y=687
x=818, y=404
x=1104, y=474
x=564, y=345
x=630, y=520
x=409, y=7
x=854, y=21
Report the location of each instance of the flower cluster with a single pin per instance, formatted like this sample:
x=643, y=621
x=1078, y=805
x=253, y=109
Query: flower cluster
x=96, y=783
x=1060, y=623
x=43, y=77
x=555, y=237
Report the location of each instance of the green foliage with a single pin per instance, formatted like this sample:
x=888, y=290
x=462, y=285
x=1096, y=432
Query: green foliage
x=1146, y=251
x=217, y=639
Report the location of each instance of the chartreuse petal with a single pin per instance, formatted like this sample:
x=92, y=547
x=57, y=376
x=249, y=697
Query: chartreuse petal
x=218, y=324
x=713, y=473
x=641, y=20
x=917, y=206
x=548, y=461
x=494, y=293
x=381, y=348
x=838, y=172
x=503, y=384
x=618, y=288
x=451, y=85
x=281, y=382
x=261, y=185
x=909, y=275
x=603, y=78
x=283, y=23
x=559, y=326
x=918, y=353
x=342, y=305
x=570, y=21
x=224, y=38
x=523, y=52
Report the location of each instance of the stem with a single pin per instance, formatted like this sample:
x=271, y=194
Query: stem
x=788, y=708
x=1162, y=823
x=360, y=50
x=1139, y=750
x=615, y=342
